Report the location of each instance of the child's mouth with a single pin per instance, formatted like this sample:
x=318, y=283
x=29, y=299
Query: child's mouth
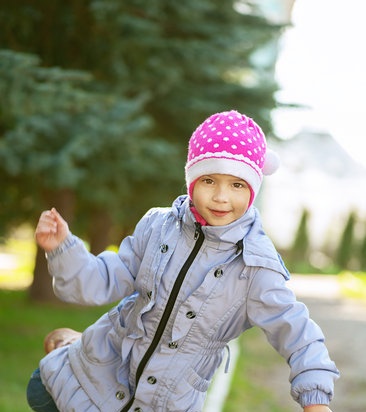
x=219, y=213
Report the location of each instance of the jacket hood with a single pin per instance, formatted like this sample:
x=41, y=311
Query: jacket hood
x=258, y=249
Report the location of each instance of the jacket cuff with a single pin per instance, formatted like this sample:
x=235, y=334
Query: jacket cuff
x=66, y=244
x=314, y=397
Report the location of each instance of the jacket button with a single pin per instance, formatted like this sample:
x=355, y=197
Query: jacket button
x=163, y=248
x=173, y=345
x=149, y=294
x=218, y=273
x=151, y=380
x=138, y=409
x=120, y=395
x=191, y=314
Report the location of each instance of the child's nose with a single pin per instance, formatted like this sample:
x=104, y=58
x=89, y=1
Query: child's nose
x=220, y=195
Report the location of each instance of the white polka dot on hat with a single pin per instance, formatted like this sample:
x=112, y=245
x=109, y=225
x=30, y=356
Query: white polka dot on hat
x=230, y=143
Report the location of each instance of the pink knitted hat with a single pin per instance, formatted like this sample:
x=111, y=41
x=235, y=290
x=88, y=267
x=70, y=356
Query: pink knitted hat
x=229, y=143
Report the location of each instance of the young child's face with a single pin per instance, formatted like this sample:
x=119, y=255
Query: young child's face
x=221, y=199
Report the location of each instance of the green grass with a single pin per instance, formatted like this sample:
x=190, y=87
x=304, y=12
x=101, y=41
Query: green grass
x=23, y=327
x=353, y=284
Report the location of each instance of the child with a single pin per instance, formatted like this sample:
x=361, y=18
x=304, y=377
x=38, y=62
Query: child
x=191, y=278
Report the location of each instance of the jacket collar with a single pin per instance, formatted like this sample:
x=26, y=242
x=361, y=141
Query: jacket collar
x=258, y=249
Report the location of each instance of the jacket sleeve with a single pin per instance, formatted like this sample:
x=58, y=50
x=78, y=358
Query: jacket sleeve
x=82, y=278
x=285, y=321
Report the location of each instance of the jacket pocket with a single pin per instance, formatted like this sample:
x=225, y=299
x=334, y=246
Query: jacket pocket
x=189, y=394
x=197, y=382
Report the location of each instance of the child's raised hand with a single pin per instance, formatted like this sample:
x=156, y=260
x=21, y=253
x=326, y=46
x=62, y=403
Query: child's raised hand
x=51, y=230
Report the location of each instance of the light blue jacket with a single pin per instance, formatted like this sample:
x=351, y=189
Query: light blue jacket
x=185, y=293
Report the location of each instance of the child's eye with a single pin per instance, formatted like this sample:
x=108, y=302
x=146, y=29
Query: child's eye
x=208, y=181
x=238, y=185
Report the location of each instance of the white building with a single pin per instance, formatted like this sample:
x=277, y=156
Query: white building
x=316, y=173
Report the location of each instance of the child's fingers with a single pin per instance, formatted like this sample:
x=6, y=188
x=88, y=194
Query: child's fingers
x=58, y=218
x=45, y=231
x=55, y=213
x=46, y=223
x=51, y=230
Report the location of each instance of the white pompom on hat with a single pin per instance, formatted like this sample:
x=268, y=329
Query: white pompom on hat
x=271, y=162
x=230, y=143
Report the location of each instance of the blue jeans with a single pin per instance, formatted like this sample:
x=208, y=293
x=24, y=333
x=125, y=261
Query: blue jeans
x=38, y=397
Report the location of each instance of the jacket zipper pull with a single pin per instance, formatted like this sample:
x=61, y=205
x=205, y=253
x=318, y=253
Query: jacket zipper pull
x=239, y=246
x=198, y=230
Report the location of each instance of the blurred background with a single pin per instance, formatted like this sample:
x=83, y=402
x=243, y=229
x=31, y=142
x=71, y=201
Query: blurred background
x=98, y=99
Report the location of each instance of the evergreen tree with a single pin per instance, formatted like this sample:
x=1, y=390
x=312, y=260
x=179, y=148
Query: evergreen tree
x=96, y=116
x=191, y=58
x=362, y=254
x=347, y=243
x=298, y=260
x=61, y=141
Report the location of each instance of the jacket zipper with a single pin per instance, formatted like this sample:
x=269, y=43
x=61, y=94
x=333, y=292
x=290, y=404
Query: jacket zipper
x=199, y=238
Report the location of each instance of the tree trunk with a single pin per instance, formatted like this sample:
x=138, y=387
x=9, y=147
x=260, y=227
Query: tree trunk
x=99, y=232
x=41, y=288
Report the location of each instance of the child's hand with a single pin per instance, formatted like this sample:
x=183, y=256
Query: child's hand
x=51, y=230
x=60, y=337
x=317, y=408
